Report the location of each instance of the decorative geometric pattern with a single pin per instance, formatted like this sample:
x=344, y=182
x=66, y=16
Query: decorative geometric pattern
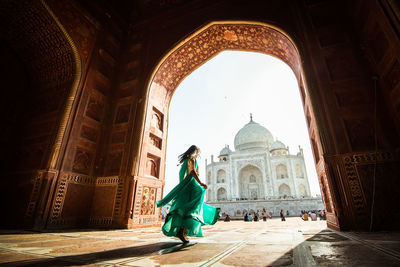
x=109, y=180
x=350, y=162
x=65, y=179
x=219, y=37
x=34, y=194
x=118, y=197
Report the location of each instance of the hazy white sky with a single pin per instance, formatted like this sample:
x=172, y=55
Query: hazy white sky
x=213, y=103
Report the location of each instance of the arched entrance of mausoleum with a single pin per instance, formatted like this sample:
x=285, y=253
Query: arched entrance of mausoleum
x=184, y=59
x=251, y=185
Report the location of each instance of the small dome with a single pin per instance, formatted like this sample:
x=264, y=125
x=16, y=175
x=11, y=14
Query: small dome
x=253, y=135
x=278, y=145
x=225, y=151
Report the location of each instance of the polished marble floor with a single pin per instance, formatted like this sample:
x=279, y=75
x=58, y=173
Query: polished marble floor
x=236, y=243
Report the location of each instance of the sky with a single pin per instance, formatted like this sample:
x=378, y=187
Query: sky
x=215, y=101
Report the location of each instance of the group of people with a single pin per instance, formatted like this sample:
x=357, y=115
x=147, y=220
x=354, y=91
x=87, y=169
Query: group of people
x=312, y=214
x=256, y=216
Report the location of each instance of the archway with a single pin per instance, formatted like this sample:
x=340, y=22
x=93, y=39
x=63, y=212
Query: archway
x=221, y=194
x=250, y=183
x=221, y=176
x=284, y=191
x=189, y=55
x=299, y=171
x=281, y=171
x=302, y=190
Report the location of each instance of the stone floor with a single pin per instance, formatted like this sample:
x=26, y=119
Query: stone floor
x=236, y=243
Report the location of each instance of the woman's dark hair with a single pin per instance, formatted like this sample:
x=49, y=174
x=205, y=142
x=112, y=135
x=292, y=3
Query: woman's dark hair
x=187, y=154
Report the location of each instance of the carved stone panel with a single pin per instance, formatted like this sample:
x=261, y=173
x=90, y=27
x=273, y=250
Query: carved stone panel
x=216, y=38
x=147, y=206
x=95, y=109
x=118, y=137
x=103, y=200
x=114, y=162
x=82, y=161
x=122, y=114
x=89, y=133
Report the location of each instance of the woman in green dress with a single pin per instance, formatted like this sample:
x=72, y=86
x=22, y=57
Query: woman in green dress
x=188, y=212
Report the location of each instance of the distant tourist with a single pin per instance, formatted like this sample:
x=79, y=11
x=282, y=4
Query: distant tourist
x=264, y=214
x=246, y=217
x=305, y=216
x=287, y=213
x=313, y=216
x=227, y=218
x=282, y=216
x=256, y=217
x=250, y=217
x=321, y=215
x=270, y=215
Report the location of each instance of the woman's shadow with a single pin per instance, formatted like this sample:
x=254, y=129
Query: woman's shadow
x=176, y=248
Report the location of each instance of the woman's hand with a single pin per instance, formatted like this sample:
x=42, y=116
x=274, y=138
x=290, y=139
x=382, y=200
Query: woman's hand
x=204, y=186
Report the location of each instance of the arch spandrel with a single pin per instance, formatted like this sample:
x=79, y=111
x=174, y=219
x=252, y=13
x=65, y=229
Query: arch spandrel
x=217, y=37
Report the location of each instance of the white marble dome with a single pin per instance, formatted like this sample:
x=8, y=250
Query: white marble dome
x=225, y=151
x=253, y=135
x=277, y=145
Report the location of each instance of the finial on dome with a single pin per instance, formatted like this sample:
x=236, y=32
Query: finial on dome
x=251, y=117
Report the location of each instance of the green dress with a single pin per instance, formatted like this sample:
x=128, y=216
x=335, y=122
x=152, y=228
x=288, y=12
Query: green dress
x=187, y=207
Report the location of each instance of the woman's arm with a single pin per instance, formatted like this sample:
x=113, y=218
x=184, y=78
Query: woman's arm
x=194, y=174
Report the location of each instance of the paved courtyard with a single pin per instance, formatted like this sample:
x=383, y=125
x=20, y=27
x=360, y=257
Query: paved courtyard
x=235, y=243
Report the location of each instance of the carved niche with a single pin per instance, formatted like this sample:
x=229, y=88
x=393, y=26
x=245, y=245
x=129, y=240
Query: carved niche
x=152, y=165
x=155, y=141
x=157, y=119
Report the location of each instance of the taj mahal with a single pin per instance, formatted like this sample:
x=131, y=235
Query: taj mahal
x=260, y=173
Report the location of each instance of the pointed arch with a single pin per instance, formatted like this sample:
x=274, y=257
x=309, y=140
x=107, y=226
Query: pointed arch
x=302, y=190
x=284, y=191
x=251, y=182
x=281, y=171
x=221, y=176
x=299, y=171
x=221, y=194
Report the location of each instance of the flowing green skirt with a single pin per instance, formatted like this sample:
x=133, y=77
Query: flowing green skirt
x=187, y=209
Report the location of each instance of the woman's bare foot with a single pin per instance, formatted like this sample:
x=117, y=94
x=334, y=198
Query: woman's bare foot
x=182, y=235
